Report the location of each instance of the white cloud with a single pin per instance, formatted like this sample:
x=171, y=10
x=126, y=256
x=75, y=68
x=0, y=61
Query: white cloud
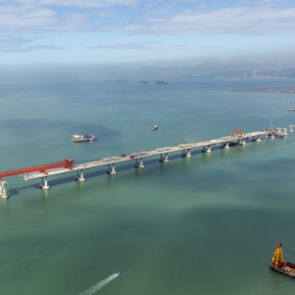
x=195, y=64
x=261, y=20
x=129, y=46
x=148, y=17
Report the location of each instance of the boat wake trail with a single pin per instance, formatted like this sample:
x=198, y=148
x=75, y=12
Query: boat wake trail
x=100, y=285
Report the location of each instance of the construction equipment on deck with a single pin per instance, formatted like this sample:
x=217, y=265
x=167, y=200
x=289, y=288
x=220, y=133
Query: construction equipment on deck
x=281, y=266
x=236, y=130
x=67, y=163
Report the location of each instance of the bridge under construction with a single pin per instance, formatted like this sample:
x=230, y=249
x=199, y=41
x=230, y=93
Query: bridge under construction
x=42, y=172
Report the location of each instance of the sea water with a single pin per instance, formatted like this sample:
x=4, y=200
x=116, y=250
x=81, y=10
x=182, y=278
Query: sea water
x=208, y=224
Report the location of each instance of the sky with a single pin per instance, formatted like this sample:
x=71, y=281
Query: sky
x=116, y=38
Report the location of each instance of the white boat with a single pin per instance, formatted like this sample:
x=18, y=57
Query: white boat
x=85, y=137
x=154, y=128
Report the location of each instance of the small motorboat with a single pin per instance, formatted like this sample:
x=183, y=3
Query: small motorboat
x=154, y=128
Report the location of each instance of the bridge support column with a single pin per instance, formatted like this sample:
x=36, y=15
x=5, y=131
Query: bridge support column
x=41, y=182
x=273, y=136
x=161, y=158
x=141, y=163
x=209, y=149
x=203, y=149
x=113, y=169
x=183, y=153
x=81, y=178
x=285, y=133
x=188, y=154
x=258, y=138
x=166, y=158
x=136, y=163
x=109, y=169
x=77, y=175
x=45, y=185
x=253, y=138
x=244, y=141
x=226, y=145
x=291, y=128
x=4, y=194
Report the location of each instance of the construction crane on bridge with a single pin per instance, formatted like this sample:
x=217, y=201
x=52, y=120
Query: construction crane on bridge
x=67, y=163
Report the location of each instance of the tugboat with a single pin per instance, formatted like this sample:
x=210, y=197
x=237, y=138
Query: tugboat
x=279, y=135
x=154, y=128
x=85, y=137
x=281, y=266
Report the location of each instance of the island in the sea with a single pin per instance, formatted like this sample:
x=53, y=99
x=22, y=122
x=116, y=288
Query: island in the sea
x=269, y=90
x=143, y=82
x=161, y=82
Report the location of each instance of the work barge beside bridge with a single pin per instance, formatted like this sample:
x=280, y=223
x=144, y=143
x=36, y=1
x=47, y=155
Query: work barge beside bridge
x=67, y=166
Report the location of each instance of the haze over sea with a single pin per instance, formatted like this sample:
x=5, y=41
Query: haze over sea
x=202, y=225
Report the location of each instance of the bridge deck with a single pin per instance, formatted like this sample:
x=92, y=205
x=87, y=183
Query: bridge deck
x=157, y=152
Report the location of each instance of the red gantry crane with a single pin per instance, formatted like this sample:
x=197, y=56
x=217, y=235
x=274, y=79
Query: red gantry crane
x=236, y=130
x=67, y=163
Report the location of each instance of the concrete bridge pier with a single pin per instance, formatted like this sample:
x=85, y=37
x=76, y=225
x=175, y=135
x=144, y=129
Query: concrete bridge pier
x=109, y=168
x=166, y=158
x=285, y=133
x=161, y=158
x=203, y=150
x=41, y=182
x=291, y=128
x=141, y=163
x=188, y=153
x=244, y=141
x=3, y=191
x=183, y=153
x=209, y=149
x=45, y=185
x=226, y=145
x=113, y=172
x=136, y=163
x=258, y=138
x=81, y=178
x=273, y=136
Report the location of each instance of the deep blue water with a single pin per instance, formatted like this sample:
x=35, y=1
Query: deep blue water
x=204, y=225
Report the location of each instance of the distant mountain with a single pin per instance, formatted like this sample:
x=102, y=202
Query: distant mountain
x=117, y=81
x=288, y=73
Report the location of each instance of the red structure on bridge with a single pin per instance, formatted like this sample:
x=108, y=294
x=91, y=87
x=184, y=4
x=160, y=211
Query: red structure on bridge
x=67, y=163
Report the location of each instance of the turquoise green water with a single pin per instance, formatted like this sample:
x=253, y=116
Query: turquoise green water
x=204, y=225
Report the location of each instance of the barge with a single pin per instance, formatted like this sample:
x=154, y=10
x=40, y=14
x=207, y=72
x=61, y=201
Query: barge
x=85, y=137
x=279, y=265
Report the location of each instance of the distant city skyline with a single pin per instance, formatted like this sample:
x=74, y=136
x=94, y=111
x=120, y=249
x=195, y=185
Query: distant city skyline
x=148, y=36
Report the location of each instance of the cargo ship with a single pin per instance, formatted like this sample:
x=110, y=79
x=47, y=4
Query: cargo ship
x=85, y=137
x=279, y=265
